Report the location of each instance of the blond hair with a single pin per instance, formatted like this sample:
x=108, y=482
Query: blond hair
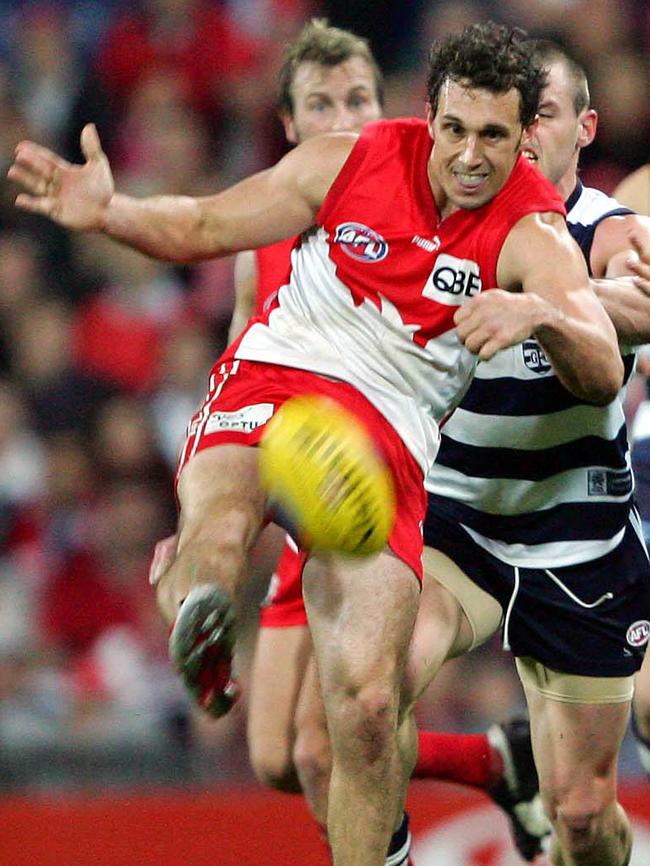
x=320, y=43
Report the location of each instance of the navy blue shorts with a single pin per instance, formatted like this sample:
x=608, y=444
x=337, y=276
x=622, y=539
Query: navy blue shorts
x=591, y=619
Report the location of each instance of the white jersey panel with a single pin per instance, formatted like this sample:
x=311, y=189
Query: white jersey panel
x=316, y=326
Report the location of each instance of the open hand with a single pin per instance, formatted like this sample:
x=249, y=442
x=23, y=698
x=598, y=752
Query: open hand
x=75, y=196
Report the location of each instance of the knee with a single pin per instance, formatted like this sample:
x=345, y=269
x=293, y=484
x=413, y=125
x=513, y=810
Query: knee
x=577, y=829
x=312, y=756
x=365, y=721
x=273, y=766
x=583, y=821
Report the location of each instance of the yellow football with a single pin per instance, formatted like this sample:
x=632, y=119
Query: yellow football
x=324, y=479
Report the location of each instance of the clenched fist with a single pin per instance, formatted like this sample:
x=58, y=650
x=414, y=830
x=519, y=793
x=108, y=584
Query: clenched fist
x=497, y=319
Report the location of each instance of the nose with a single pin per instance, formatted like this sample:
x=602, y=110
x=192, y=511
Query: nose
x=471, y=154
x=345, y=120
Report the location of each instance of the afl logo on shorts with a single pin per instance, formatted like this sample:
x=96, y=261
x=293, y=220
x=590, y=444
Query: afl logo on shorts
x=638, y=633
x=361, y=243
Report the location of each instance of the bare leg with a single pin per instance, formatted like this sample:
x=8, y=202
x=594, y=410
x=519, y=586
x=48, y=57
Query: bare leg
x=282, y=668
x=221, y=512
x=361, y=616
x=576, y=749
x=441, y=632
x=312, y=752
x=279, y=664
x=642, y=699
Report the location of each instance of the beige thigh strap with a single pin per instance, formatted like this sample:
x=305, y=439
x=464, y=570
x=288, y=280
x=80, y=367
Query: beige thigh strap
x=483, y=612
x=572, y=688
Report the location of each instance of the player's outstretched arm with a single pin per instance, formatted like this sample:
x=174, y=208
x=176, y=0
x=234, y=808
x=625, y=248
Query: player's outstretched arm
x=262, y=209
x=559, y=308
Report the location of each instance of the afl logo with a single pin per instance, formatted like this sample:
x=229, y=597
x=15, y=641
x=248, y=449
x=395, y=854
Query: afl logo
x=361, y=243
x=638, y=633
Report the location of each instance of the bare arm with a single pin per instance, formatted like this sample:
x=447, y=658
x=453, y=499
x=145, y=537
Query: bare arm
x=621, y=254
x=262, y=209
x=245, y=293
x=572, y=326
x=634, y=190
x=558, y=307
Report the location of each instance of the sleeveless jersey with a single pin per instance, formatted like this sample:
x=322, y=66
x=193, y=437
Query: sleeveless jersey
x=374, y=287
x=273, y=264
x=534, y=475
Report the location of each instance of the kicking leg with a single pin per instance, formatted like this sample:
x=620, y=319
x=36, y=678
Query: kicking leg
x=221, y=512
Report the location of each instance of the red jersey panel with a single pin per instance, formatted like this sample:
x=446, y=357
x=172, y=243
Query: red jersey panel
x=374, y=288
x=384, y=185
x=273, y=266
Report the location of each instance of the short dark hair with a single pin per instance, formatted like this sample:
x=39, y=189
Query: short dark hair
x=546, y=52
x=490, y=56
x=320, y=43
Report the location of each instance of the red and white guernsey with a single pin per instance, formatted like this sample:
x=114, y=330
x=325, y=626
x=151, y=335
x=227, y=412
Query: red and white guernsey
x=373, y=289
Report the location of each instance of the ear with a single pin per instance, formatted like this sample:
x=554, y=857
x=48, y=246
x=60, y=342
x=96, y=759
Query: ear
x=588, y=122
x=289, y=127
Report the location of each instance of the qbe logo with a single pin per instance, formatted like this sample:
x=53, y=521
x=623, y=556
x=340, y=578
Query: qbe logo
x=638, y=633
x=453, y=281
x=361, y=243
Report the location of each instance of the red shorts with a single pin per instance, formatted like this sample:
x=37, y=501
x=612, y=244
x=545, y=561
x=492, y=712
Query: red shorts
x=284, y=605
x=242, y=397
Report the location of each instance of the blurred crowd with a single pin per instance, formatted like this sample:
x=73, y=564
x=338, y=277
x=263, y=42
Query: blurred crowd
x=104, y=353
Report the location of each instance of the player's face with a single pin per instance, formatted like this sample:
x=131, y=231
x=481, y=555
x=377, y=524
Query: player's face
x=554, y=142
x=476, y=136
x=332, y=99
